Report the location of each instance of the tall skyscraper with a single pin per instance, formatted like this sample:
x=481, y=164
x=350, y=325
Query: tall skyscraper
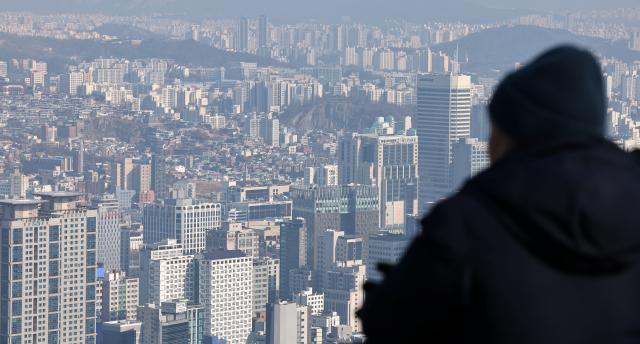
x=390, y=162
x=48, y=269
x=126, y=174
x=242, y=39
x=443, y=117
x=263, y=31
x=226, y=293
x=293, y=252
x=182, y=219
x=142, y=178
x=352, y=208
x=159, y=176
x=270, y=130
x=108, y=232
x=80, y=158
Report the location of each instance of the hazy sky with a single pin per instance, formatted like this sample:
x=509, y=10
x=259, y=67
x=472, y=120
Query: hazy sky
x=320, y=9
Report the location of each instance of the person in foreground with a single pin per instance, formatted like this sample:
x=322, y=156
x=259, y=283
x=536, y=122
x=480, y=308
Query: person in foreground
x=543, y=246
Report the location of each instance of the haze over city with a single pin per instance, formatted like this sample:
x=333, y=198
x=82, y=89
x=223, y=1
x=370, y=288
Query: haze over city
x=235, y=172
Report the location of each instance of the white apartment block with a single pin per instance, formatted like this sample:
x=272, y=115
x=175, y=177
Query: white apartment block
x=226, y=293
x=266, y=282
x=48, y=247
x=119, y=297
x=165, y=273
x=315, y=301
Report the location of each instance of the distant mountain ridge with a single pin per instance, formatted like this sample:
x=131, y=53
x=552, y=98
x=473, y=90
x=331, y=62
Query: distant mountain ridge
x=280, y=10
x=501, y=48
x=58, y=53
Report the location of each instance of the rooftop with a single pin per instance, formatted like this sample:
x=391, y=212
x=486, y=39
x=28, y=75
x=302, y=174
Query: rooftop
x=56, y=194
x=15, y=202
x=222, y=254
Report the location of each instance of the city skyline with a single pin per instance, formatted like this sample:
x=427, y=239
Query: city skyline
x=237, y=177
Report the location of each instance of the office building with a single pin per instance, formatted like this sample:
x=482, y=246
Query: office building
x=328, y=175
x=159, y=327
x=242, y=39
x=226, y=293
x=142, y=178
x=131, y=243
x=159, y=176
x=353, y=208
x=390, y=162
x=470, y=157
x=344, y=295
x=293, y=252
x=122, y=332
x=120, y=296
x=385, y=248
x=48, y=264
x=299, y=280
x=108, y=232
x=443, y=118
x=266, y=282
x=234, y=236
x=165, y=273
x=263, y=31
x=288, y=323
x=178, y=310
x=182, y=219
x=270, y=130
x=124, y=176
x=336, y=249
x=307, y=297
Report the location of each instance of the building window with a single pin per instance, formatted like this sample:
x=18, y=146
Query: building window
x=16, y=254
x=91, y=257
x=16, y=308
x=17, y=236
x=91, y=224
x=53, y=321
x=90, y=310
x=53, y=286
x=16, y=272
x=53, y=338
x=54, y=233
x=54, y=251
x=53, y=304
x=54, y=268
x=91, y=241
x=91, y=275
x=16, y=325
x=16, y=289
